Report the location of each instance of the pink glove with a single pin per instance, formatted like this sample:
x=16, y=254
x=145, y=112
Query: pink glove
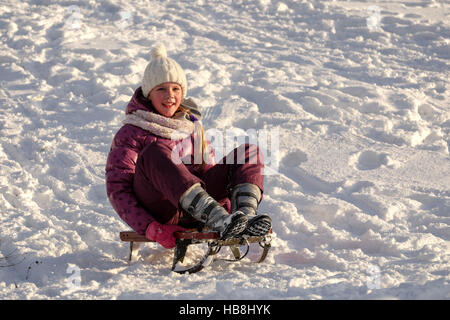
x=163, y=233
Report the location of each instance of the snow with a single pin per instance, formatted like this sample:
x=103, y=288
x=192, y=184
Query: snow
x=357, y=91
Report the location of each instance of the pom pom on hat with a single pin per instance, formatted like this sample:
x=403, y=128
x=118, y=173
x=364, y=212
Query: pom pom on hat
x=159, y=51
x=162, y=69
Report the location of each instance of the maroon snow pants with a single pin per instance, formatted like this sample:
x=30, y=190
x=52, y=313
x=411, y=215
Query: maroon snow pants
x=159, y=182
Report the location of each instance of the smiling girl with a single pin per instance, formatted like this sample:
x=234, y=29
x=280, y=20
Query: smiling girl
x=156, y=195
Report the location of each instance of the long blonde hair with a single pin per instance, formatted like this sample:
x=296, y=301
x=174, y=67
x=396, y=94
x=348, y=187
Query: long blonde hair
x=204, y=144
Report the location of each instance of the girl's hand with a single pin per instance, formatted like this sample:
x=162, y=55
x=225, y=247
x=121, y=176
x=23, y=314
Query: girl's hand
x=163, y=233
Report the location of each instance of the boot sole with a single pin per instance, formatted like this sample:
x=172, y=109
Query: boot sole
x=236, y=226
x=258, y=226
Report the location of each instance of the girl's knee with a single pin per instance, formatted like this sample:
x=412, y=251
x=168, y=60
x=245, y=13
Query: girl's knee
x=249, y=153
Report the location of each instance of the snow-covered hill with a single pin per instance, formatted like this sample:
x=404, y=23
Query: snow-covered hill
x=357, y=91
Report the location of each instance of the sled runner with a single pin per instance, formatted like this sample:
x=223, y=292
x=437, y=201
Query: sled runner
x=214, y=244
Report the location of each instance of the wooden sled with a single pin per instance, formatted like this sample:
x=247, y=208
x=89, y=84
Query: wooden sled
x=213, y=241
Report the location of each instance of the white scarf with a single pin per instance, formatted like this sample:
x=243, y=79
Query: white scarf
x=177, y=128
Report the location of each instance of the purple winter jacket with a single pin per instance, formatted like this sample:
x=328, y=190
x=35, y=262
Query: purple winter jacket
x=128, y=142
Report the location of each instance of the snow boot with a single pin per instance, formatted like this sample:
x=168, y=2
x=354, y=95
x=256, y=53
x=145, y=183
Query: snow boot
x=199, y=204
x=245, y=198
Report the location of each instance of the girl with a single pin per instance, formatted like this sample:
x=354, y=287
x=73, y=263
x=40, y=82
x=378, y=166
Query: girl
x=153, y=191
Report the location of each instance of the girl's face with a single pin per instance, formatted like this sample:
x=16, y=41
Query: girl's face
x=166, y=98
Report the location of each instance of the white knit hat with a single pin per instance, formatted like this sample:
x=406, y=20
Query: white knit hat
x=162, y=69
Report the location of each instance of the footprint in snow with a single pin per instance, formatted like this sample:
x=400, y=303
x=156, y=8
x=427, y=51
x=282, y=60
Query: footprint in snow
x=370, y=160
x=291, y=167
x=294, y=159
